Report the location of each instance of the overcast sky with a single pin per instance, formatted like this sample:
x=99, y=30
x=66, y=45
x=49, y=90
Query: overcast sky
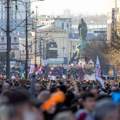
x=56, y=7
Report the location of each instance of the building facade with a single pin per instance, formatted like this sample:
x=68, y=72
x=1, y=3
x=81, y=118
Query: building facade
x=63, y=23
x=55, y=46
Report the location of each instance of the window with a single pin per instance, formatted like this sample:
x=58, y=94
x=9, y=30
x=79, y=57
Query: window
x=73, y=47
x=62, y=25
x=67, y=25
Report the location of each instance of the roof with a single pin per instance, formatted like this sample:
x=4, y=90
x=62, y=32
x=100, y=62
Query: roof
x=90, y=36
x=52, y=29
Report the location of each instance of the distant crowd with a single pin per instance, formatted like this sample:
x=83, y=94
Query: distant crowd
x=59, y=71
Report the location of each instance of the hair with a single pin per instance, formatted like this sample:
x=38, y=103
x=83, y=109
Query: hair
x=64, y=116
x=103, y=108
x=16, y=97
x=63, y=88
x=101, y=97
x=86, y=95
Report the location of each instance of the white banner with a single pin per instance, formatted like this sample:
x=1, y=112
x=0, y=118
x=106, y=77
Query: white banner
x=32, y=69
x=90, y=77
x=52, y=77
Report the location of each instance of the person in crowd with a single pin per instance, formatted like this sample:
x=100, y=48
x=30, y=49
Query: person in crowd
x=88, y=102
x=106, y=110
x=95, y=91
x=6, y=86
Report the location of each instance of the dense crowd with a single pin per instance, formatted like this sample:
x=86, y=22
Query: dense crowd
x=46, y=71
x=60, y=99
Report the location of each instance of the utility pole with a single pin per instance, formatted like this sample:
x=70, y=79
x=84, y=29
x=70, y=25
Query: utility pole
x=8, y=41
x=27, y=53
x=36, y=37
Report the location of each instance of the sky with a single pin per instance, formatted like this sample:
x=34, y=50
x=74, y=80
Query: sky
x=56, y=7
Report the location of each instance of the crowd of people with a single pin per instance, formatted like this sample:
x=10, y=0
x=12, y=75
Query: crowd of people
x=60, y=99
x=46, y=71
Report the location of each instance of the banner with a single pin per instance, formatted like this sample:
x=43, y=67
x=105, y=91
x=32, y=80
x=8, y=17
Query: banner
x=32, y=69
x=52, y=77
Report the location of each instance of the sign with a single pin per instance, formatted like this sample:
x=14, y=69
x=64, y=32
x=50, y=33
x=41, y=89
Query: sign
x=90, y=77
x=32, y=69
x=64, y=77
x=111, y=72
x=52, y=77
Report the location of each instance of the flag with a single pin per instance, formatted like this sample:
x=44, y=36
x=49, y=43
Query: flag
x=115, y=73
x=40, y=69
x=98, y=73
x=49, y=73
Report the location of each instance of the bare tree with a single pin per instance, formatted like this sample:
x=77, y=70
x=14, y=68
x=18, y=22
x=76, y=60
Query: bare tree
x=113, y=50
x=95, y=48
